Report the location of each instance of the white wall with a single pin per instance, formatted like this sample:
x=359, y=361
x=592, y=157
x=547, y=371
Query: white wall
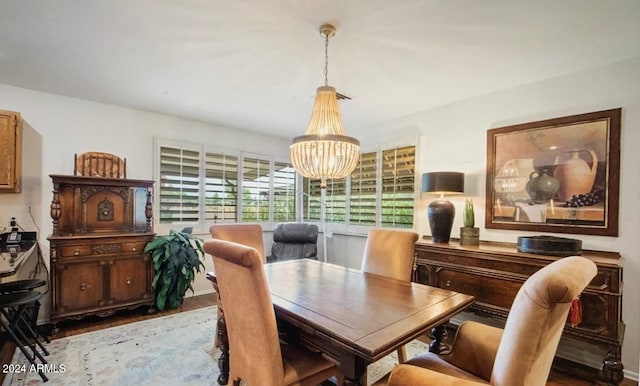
x=454, y=138
x=56, y=127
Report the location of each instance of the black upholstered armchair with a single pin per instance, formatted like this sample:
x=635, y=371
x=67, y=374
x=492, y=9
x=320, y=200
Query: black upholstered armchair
x=294, y=240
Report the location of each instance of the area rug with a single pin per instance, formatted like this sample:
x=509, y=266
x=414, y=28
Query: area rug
x=172, y=350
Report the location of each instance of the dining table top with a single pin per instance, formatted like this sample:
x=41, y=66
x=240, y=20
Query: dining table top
x=365, y=314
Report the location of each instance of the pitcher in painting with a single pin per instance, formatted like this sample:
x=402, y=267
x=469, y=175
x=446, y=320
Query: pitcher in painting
x=575, y=175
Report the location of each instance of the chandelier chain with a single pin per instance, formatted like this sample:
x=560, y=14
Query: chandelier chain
x=326, y=58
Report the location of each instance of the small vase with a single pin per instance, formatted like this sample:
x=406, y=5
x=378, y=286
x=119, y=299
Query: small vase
x=542, y=187
x=469, y=236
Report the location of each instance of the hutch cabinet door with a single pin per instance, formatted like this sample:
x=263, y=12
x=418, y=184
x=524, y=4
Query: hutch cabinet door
x=130, y=279
x=80, y=285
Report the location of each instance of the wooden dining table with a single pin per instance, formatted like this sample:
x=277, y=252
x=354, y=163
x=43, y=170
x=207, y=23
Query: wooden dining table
x=355, y=318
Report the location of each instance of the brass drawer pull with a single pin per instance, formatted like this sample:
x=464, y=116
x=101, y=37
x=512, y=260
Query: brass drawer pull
x=133, y=249
x=128, y=281
x=83, y=287
x=448, y=284
x=76, y=252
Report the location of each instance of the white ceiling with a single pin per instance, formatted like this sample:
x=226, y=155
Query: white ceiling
x=255, y=64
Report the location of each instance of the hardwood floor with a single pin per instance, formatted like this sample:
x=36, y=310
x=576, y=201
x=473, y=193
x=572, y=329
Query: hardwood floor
x=69, y=328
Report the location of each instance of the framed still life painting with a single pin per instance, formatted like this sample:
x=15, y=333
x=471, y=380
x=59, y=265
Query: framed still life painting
x=559, y=175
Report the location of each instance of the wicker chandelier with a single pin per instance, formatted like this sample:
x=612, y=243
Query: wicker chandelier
x=325, y=152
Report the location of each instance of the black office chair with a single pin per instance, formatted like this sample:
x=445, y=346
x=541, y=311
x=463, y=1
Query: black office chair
x=294, y=240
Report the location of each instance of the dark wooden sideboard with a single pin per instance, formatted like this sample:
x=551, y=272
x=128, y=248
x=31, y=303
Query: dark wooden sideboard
x=493, y=273
x=100, y=228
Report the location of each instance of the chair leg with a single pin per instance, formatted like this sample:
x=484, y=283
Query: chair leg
x=11, y=329
x=28, y=324
x=402, y=354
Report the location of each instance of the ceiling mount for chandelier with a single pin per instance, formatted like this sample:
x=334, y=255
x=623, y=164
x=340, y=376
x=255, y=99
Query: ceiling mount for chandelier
x=325, y=152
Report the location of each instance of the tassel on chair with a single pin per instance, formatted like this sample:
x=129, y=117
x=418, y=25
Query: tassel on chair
x=575, y=313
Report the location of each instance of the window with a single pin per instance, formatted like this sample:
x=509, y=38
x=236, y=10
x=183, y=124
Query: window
x=284, y=192
x=199, y=186
x=336, y=199
x=221, y=187
x=255, y=190
x=398, y=178
x=179, y=184
x=311, y=200
x=363, y=191
x=379, y=192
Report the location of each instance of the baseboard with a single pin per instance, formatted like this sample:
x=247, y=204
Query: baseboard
x=204, y=292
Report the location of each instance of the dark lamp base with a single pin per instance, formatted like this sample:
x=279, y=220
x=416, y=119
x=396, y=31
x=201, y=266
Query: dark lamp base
x=441, y=214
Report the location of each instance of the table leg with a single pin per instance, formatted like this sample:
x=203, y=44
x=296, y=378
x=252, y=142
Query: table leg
x=352, y=367
x=437, y=346
x=223, y=360
x=221, y=340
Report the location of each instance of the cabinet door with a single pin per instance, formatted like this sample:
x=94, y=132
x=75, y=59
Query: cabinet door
x=80, y=285
x=130, y=279
x=10, y=151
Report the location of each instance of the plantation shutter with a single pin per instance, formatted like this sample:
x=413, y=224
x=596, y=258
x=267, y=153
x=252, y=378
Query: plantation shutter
x=221, y=188
x=398, y=181
x=255, y=190
x=363, y=191
x=311, y=200
x=336, y=201
x=179, y=185
x=284, y=192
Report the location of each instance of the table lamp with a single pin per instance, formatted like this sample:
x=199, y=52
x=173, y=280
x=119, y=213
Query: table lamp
x=442, y=212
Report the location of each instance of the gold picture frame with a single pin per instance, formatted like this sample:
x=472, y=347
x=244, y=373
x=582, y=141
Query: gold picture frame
x=559, y=175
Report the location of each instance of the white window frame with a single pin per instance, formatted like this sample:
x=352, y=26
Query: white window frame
x=202, y=225
x=360, y=230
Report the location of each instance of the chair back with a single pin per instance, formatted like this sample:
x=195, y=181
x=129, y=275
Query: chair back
x=536, y=320
x=245, y=234
x=254, y=348
x=295, y=240
x=97, y=164
x=389, y=253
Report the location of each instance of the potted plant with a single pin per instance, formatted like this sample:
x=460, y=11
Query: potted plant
x=176, y=259
x=469, y=235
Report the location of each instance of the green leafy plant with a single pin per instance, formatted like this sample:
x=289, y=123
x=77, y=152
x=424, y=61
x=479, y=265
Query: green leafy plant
x=176, y=259
x=469, y=217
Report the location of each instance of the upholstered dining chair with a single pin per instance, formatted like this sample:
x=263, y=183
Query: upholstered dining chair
x=245, y=234
x=519, y=355
x=390, y=253
x=256, y=354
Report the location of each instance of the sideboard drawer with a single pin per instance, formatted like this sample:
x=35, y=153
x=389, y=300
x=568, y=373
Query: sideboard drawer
x=75, y=250
x=499, y=292
x=134, y=247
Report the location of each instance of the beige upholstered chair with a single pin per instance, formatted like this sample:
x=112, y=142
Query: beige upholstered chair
x=519, y=355
x=245, y=234
x=390, y=253
x=256, y=355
